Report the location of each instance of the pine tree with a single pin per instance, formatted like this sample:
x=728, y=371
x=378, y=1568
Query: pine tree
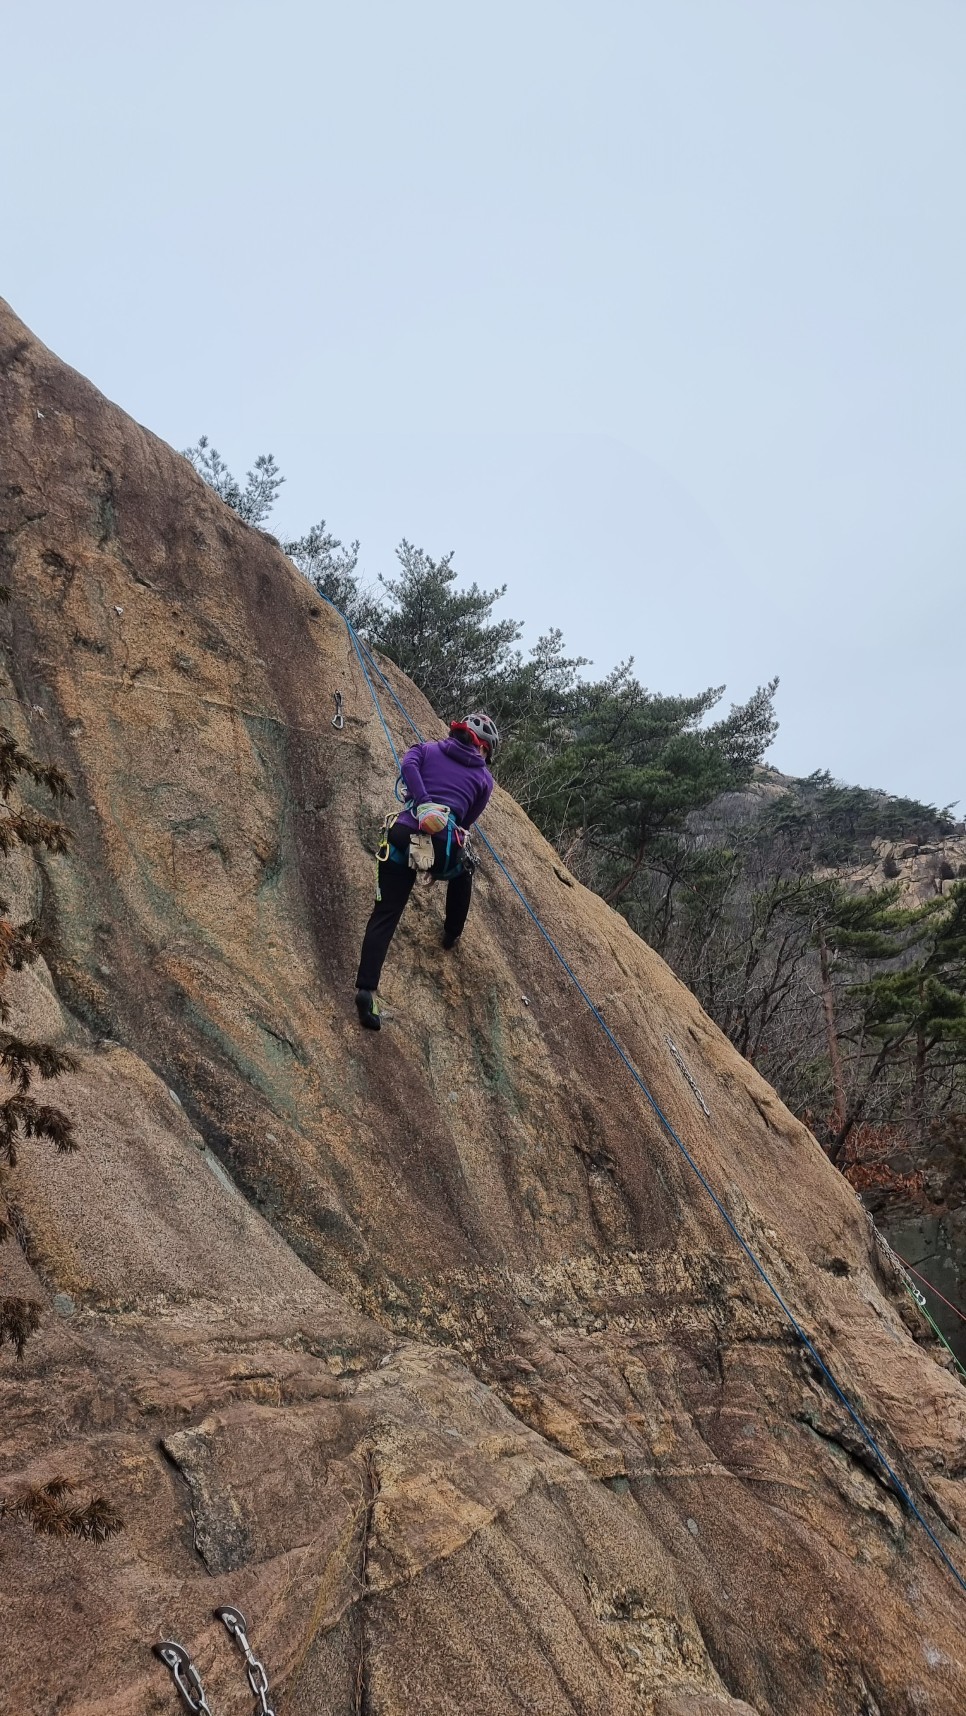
x=849, y=929
x=917, y=1014
x=254, y=502
x=331, y=567
x=446, y=638
x=633, y=767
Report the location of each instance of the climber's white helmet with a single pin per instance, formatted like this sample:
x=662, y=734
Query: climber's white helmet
x=482, y=727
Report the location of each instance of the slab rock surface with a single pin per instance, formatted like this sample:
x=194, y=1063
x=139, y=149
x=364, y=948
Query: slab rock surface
x=428, y=1350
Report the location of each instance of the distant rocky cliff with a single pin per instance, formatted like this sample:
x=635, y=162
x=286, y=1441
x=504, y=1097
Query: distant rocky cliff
x=917, y=1194
x=428, y=1350
x=920, y=872
x=915, y=1186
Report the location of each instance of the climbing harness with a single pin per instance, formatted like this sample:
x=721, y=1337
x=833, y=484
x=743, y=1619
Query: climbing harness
x=366, y=661
x=424, y=855
x=338, y=719
x=687, y=1074
x=187, y=1679
x=463, y=860
x=419, y=852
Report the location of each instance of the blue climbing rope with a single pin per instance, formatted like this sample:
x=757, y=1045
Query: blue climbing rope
x=359, y=646
x=364, y=655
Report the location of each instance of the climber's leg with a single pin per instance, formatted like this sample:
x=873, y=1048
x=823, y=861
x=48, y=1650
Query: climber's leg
x=459, y=892
x=395, y=886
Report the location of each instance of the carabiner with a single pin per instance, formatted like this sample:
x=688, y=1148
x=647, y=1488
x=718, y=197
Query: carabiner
x=338, y=719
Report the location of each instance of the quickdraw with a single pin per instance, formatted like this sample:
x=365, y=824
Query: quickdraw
x=384, y=850
x=338, y=719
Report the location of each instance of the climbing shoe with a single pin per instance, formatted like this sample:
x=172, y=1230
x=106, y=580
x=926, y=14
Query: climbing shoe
x=449, y=940
x=367, y=1008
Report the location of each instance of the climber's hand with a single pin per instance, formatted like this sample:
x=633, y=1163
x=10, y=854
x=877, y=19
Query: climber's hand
x=432, y=818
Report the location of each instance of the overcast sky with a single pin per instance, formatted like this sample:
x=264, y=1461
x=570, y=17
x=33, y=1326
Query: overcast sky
x=651, y=309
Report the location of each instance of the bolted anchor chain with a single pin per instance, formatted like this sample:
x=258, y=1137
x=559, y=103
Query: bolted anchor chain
x=183, y=1671
x=188, y=1681
x=897, y=1264
x=237, y=1626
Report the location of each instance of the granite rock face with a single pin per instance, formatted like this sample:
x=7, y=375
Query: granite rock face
x=427, y=1350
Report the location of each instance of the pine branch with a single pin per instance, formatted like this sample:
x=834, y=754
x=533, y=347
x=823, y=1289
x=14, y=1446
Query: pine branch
x=14, y=762
x=29, y=828
x=19, y=1319
x=20, y=945
x=42, y=1120
x=46, y=1507
x=21, y=1114
x=20, y=1060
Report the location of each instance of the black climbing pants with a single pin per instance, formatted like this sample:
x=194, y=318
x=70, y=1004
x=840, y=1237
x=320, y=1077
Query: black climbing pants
x=395, y=886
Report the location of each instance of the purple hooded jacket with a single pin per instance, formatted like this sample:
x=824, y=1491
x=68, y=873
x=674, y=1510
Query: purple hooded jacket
x=446, y=771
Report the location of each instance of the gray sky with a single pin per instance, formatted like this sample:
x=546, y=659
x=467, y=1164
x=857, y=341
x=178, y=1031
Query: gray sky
x=653, y=311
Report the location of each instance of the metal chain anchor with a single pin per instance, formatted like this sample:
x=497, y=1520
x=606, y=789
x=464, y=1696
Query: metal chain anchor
x=679, y=1058
x=187, y=1679
x=237, y=1627
x=182, y=1670
x=897, y=1264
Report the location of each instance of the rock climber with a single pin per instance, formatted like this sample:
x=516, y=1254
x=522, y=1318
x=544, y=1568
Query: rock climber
x=448, y=785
